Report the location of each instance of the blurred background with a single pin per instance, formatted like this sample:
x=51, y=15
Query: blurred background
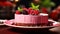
x=8, y=7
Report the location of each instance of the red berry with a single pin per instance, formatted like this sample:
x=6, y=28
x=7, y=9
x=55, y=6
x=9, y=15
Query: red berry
x=36, y=12
x=33, y=12
x=44, y=10
x=29, y=10
x=17, y=12
x=25, y=9
x=54, y=14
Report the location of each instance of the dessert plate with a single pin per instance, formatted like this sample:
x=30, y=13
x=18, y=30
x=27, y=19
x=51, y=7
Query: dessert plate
x=2, y=22
x=29, y=26
x=9, y=23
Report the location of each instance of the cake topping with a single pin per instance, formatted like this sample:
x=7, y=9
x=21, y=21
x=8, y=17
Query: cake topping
x=33, y=10
x=17, y=12
x=36, y=9
x=24, y=12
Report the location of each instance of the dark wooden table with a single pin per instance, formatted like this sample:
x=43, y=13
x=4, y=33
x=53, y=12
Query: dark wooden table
x=11, y=30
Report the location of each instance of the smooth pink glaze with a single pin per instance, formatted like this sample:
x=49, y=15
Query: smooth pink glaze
x=31, y=19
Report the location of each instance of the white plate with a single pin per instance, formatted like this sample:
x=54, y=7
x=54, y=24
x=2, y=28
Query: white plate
x=2, y=21
x=1, y=24
x=28, y=26
x=6, y=23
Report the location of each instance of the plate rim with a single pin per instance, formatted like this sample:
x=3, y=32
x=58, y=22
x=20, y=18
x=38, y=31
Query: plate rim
x=1, y=24
x=27, y=26
x=2, y=20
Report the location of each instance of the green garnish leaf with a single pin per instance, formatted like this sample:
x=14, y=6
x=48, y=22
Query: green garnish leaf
x=34, y=7
x=52, y=4
x=20, y=9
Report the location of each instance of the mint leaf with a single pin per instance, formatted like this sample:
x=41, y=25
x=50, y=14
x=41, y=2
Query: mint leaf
x=20, y=9
x=34, y=7
x=52, y=4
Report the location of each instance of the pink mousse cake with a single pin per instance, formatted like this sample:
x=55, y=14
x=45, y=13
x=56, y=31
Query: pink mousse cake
x=24, y=20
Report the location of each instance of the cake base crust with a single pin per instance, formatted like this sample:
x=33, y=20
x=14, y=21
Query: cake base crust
x=23, y=24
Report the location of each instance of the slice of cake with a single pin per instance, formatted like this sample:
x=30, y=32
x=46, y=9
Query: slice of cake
x=27, y=20
x=30, y=17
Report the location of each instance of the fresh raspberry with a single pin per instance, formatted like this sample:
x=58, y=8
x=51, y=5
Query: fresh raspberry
x=25, y=9
x=54, y=14
x=29, y=10
x=44, y=10
x=36, y=12
x=17, y=12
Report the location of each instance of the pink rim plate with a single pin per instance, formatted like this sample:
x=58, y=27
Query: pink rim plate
x=9, y=23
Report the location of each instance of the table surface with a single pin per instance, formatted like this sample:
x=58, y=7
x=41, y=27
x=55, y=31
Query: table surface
x=10, y=30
